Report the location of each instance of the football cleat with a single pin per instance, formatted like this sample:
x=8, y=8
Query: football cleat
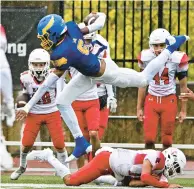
x=40, y=155
x=174, y=42
x=17, y=173
x=82, y=146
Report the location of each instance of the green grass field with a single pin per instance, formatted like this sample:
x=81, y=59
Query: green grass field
x=56, y=182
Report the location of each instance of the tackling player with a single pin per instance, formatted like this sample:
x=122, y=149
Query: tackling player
x=161, y=91
x=44, y=112
x=141, y=167
x=66, y=45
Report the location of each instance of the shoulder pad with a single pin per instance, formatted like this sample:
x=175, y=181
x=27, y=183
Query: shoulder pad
x=146, y=55
x=101, y=40
x=24, y=73
x=179, y=57
x=24, y=76
x=51, y=70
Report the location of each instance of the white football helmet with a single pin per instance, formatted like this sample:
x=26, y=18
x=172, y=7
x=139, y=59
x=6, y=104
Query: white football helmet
x=175, y=162
x=38, y=56
x=158, y=36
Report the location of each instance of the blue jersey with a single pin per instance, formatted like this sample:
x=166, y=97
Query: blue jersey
x=72, y=52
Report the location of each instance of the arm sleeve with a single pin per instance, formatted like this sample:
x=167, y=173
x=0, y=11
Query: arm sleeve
x=98, y=24
x=52, y=78
x=60, y=84
x=152, y=181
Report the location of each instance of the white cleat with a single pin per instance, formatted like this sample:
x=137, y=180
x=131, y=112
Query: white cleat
x=17, y=173
x=41, y=155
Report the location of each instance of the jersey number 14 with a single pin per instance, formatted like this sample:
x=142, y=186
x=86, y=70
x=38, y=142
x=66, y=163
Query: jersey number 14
x=164, y=76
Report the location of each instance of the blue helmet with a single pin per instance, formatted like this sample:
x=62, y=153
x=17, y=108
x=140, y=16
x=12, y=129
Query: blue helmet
x=50, y=28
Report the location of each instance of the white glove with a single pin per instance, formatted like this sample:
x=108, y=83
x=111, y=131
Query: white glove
x=112, y=104
x=8, y=112
x=104, y=149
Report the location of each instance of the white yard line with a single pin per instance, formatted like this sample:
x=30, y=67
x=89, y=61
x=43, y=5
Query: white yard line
x=14, y=186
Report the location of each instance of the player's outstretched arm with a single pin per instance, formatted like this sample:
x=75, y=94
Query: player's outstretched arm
x=51, y=79
x=98, y=23
x=148, y=178
x=111, y=100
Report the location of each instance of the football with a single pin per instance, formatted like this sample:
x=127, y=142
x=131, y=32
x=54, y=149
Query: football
x=22, y=100
x=90, y=19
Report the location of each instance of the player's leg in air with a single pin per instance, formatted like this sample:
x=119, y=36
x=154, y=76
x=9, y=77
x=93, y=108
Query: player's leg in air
x=88, y=114
x=121, y=77
x=98, y=166
x=82, y=146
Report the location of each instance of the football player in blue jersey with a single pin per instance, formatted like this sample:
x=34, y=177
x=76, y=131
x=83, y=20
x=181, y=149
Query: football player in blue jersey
x=66, y=45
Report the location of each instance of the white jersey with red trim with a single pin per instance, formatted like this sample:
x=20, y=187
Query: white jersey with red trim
x=164, y=82
x=101, y=89
x=47, y=103
x=125, y=162
x=100, y=48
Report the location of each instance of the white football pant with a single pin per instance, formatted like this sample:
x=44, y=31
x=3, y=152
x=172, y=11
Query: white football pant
x=114, y=75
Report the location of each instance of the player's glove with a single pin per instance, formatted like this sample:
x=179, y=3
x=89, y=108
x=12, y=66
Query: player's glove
x=112, y=104
x=8, y=114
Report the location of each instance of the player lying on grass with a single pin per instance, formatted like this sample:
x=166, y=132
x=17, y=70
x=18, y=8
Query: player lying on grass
x=134, y=168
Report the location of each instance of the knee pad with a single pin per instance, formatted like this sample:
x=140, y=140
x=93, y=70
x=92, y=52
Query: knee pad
x=58, y=143
x=28, y=139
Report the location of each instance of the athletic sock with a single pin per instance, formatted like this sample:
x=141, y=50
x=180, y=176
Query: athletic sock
x=62, y=158
x=61, y=169
x=23, y=161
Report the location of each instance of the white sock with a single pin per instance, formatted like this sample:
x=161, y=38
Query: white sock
x=23, y=161
x=70, y=119
x=62, y=157
x=61, y=169
x=156, y=64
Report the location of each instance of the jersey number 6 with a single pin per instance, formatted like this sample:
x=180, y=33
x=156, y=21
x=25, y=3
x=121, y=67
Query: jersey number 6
x=82, y=48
